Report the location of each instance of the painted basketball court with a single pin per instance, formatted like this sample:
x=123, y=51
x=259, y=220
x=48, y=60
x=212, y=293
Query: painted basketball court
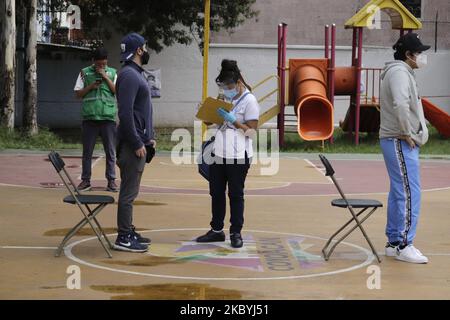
x=288, y=218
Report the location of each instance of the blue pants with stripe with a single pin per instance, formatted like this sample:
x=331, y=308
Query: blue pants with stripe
x=402, y=163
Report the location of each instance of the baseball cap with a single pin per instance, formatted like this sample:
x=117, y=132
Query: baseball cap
x=410, y=42
x=129, y=44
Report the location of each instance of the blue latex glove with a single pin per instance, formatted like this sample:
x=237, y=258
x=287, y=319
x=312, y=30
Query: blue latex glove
x=226, y=115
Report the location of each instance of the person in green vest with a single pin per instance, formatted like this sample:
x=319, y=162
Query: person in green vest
x=96, y=87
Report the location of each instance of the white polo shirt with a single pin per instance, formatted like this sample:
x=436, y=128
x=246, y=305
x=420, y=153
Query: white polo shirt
x=230, y=142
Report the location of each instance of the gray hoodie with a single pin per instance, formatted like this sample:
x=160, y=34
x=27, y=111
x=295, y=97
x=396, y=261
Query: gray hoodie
x=401, y=111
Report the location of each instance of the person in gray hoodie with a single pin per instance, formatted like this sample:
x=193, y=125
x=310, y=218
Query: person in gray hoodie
x=403, y=131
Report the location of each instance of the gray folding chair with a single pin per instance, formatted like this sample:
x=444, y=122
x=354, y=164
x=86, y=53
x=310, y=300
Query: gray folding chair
x=82, y=201
x=350, y=204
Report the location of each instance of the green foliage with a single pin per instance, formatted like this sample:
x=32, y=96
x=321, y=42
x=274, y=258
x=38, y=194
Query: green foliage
x=71, y=139
x=160, y=22
x=44, y=140
x=369, y=143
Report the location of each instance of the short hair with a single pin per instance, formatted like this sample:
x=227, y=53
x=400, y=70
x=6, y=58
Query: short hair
x=99, y=54
x=400, y=52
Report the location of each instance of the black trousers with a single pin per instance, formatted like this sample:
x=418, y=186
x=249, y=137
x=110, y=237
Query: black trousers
x=223, y=173
x=90, y=131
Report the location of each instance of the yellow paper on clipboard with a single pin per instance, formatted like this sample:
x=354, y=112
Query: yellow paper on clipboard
x=208, y=110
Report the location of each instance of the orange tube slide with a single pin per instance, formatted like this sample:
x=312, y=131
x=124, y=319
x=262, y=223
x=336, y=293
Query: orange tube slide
x=313, y=109
x=345, y=81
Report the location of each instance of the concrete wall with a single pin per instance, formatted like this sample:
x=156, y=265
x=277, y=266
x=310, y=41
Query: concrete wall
x=306, y=18
x=57, y=74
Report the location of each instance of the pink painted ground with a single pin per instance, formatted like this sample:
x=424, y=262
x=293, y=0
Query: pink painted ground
x=355, y=176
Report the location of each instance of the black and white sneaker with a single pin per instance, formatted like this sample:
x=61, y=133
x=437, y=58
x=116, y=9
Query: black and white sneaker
x=129, y=242
x=140, y=238
x=391, y=250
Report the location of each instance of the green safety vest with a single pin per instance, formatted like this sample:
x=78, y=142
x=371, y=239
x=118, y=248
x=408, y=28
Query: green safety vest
x=100, y=103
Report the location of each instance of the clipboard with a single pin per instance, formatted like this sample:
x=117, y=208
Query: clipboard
x=208, y=110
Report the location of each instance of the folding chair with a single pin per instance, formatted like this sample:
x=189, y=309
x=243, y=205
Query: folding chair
x=363, y=204
x=82, y=201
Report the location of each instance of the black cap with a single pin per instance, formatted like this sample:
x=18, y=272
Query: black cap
x=410, y=42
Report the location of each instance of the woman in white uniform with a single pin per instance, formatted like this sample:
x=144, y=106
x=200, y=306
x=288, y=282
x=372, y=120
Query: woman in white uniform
x=232, y=153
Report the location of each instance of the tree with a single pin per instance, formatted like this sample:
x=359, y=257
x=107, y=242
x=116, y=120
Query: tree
x=162, y=23
x=7, y=62
x=30, y=87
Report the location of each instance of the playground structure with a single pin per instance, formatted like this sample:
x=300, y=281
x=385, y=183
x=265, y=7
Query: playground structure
x=439, y=119
x=312, y=84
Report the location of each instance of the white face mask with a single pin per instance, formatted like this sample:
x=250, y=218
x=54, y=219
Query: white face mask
x=421, y=60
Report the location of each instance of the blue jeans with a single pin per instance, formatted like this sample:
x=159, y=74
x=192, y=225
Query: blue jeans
x=402, y=164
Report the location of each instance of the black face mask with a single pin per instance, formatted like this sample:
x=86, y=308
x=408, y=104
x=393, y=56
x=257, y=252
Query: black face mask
x=145, y=57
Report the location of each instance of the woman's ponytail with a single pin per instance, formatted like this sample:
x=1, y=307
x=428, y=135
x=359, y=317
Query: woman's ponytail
x=230, y=73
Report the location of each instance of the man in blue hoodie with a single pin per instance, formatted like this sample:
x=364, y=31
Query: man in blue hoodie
x=135, y=132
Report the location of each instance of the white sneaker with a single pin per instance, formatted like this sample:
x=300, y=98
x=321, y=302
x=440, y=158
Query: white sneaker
x=390, y=250
x=411, y=254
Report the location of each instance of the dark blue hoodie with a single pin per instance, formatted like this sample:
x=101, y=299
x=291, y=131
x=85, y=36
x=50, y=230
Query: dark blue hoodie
x=135, y=106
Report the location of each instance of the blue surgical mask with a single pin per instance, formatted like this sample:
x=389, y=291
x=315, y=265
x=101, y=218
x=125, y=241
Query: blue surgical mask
x=230, y=93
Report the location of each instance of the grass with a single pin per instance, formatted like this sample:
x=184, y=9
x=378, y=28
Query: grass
x=71, y=139
x=369, y=143
x=17, y=139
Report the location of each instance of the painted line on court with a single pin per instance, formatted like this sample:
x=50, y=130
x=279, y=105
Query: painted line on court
x=22, y=247
x=20, y=186
x=291, y=195
x=92, y=165
x=248, y=176
x=285, y=185
x=54, y=248
x=322, y=172
x=71, y=256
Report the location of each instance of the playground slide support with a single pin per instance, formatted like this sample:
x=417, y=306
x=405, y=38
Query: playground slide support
x=282, y=32
x=358, y=81
x=332, y=68
x=354, y=64
x=327, y=56
x=354, y=47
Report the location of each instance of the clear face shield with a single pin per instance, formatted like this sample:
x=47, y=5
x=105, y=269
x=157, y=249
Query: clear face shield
x=228, y=89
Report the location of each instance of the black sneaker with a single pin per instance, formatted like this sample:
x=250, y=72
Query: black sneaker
x=236, y=240
x=212, y=236
x=112, y=186
x=85, y=185
x=140, y=238
x=128, y=242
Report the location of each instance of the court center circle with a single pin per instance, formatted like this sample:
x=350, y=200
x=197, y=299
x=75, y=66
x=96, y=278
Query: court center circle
x=369, y=258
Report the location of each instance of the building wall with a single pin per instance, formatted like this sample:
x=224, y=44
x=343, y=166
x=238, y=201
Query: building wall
x=57, y=74
x=306, y=18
